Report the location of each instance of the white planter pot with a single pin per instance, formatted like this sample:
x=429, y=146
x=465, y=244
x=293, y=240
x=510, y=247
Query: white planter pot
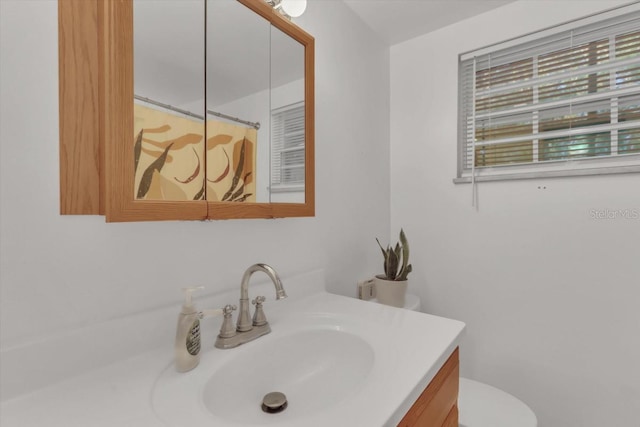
x=391, y=292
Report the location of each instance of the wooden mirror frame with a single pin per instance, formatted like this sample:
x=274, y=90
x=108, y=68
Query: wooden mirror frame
x=96, y=120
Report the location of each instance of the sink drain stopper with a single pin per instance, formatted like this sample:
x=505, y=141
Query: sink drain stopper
x=274, y=402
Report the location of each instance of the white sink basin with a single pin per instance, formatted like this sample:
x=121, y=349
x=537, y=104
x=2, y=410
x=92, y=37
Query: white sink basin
x=338, y=360
x=315, y=369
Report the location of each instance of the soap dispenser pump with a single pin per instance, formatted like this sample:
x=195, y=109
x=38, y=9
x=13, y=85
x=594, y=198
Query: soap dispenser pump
x=187, y=346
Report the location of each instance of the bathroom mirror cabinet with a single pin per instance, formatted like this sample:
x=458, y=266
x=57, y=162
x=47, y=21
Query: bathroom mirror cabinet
x=184, y=110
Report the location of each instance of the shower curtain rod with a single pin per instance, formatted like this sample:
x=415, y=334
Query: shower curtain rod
x=255, y=125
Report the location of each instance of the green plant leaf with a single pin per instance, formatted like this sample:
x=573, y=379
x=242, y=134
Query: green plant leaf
x=405, y=245
x=405, y=273
x=385, y=257
x=384, y=253
x=392, y=265
x=405, y=255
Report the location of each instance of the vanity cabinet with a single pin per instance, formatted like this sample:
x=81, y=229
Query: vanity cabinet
x=437, y=406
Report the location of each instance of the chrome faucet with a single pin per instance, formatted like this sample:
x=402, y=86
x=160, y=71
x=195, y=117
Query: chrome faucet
x=248, y=329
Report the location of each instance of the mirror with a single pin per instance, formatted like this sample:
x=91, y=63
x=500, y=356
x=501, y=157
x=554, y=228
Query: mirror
x=152, y=159
x=242, y=142
x=168, y=80
x=238, y=92
x=287, y=119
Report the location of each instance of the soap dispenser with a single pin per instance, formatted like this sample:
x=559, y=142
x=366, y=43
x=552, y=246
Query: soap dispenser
x=188, y=333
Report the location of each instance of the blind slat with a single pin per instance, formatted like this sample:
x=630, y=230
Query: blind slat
x=563, y=133
x=610, y=65
x=613, y=93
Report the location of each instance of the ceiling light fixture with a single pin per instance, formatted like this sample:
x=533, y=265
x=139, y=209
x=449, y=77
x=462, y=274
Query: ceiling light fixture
x=289, y=8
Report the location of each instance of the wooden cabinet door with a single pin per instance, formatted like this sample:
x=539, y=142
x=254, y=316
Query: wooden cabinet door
x=437, y=405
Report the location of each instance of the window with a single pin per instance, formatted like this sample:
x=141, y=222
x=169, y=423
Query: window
x=287, y=148
x=564, y=101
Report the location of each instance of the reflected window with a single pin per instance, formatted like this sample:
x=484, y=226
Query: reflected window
x=287, y=148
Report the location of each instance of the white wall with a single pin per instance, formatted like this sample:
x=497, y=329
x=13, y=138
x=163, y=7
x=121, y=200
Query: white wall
x=550, y=296
x=60, y=273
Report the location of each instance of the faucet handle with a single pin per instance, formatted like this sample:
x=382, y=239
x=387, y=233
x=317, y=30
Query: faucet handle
x=228, y=309
x=227, y=330
x=259, y=319
x=258, y=300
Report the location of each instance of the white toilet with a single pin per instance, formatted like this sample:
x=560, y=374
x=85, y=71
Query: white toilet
x=481, y=405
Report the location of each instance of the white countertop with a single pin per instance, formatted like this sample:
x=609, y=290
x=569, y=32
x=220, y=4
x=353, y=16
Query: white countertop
x=114, y=396
x=121, y=394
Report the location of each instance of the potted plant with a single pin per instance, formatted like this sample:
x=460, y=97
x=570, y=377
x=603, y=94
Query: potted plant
x=391, y=287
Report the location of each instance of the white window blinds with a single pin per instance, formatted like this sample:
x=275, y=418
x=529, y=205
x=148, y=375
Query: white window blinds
x=287, y=148
x=566, y=99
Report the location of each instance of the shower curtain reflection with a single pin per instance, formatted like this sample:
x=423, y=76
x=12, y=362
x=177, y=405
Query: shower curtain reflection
x=168, y=155
x=231, y=162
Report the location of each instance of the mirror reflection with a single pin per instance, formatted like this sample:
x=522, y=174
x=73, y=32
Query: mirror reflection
x=287, y=119
x=238, y=50
x=168, y=134
x=242, y=142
